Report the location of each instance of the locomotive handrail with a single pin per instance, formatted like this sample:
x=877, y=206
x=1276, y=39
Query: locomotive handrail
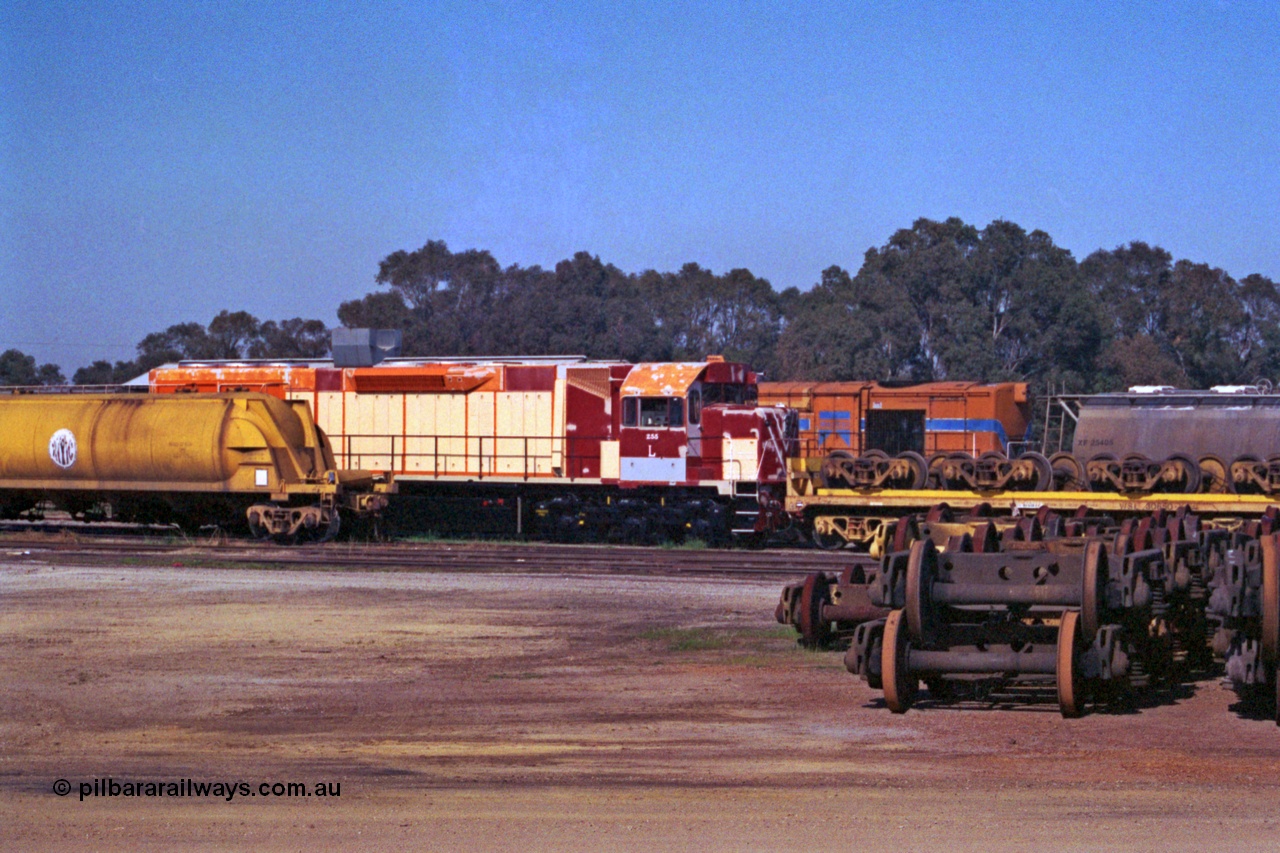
x=483, y=456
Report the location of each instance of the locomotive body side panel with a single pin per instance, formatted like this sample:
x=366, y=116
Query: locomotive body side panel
x=590, y=400
x=928, y=418
x=453, y=420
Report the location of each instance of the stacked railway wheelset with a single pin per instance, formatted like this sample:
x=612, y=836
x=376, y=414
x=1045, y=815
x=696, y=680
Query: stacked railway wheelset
x=1095, y=613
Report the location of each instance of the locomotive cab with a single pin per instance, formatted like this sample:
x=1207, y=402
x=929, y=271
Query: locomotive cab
x=697, y=424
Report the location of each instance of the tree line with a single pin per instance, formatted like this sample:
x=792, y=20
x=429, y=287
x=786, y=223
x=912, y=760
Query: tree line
x=230, y=335
x=939, y=300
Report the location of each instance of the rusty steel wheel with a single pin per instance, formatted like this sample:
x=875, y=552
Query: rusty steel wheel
x=1070, y=682
x=1093, y=592
x=1275, y=678
x=899, y=685
x=938, y=512
x=815, y=592
x=905, y=532
x=986, y=540
x=922, y=568
x=1270, y=599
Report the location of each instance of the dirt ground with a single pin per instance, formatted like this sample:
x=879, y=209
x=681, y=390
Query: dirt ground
x=518, y=712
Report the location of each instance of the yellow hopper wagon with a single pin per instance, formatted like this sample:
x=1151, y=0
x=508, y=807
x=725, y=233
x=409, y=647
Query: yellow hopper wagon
x=246, y=458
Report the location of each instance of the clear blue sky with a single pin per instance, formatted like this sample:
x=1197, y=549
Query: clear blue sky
x=160, y=162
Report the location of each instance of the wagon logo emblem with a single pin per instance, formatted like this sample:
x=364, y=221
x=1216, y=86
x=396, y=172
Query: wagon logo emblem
x=62, y=448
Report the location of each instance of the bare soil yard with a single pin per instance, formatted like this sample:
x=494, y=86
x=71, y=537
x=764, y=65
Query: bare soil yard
x=516, y=712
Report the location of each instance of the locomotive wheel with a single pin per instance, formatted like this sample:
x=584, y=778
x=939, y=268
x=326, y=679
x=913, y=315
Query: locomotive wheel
x=1191, y=472
x=335, y=524
x=1270, y=599
x=1070, y=682
x=1093, y=588
x=827, y=541
x=899, y=686
x=1068, y=473
x=1214, y=476
x=1043, y=480
x=256, y=529
x=919, y=469
x=922, y=568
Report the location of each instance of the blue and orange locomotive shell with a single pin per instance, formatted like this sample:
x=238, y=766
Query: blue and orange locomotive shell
x=553, y=420
x=927, y=418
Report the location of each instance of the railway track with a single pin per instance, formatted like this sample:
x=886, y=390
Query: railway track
x=427, y=557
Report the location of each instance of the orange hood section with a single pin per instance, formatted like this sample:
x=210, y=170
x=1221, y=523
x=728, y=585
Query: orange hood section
x=665, y=379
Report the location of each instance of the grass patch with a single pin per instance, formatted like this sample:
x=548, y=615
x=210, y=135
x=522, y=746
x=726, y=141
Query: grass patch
x=756, y=661
x=756, y=647
x=694, y=544
x=688, y=639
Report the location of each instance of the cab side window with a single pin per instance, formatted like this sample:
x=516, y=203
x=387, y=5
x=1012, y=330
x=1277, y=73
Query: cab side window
x=695, y=407
x=629, y=409
x=677, y=412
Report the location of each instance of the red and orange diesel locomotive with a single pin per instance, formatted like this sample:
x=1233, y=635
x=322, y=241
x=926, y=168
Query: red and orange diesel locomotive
x=562, y=447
